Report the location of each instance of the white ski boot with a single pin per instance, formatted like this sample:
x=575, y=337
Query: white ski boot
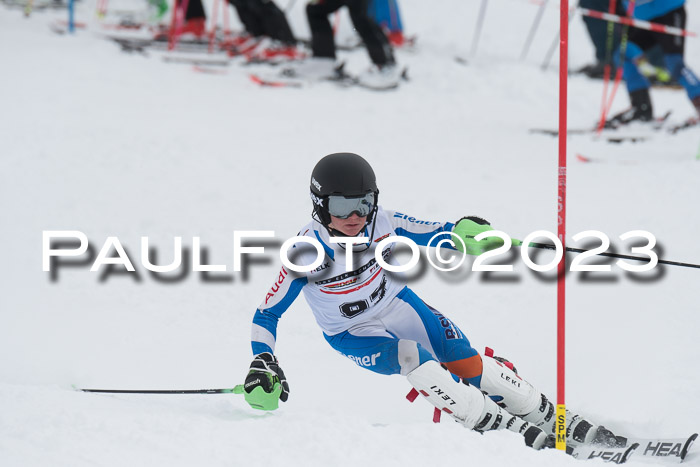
x=469, y=406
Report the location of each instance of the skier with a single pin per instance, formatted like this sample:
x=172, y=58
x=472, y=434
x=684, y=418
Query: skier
x=382, y=75
x=670, y=13
x=370, y=316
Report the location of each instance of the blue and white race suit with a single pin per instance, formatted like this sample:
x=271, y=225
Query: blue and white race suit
x=367, y=313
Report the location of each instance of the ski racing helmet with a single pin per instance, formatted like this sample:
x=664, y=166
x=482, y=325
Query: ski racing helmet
x=343, y=183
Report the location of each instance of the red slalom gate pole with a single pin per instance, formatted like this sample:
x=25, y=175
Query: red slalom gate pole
x=560, y=425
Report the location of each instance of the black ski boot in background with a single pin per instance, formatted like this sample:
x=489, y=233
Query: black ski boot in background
x=641, y=110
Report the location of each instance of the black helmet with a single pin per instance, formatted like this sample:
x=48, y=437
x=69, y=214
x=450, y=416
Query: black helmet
x=346, y=180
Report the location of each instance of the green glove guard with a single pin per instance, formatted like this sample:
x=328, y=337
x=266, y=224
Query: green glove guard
x=261, y=400
x=258, y=398
x=467, y=229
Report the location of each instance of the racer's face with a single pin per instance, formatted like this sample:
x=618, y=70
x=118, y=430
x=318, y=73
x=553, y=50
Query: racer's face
x=351, y=226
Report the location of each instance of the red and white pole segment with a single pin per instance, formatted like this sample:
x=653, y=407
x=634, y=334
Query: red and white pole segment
x=637, y=23
x=560, y=425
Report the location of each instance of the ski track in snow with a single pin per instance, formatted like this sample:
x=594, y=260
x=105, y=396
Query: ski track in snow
x=121, y=145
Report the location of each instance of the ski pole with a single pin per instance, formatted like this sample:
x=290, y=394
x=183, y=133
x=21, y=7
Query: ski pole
x=609, y=42
x=547, y=246
x=533, y=29
x=71, y=16
x=227, y=27
x=214, y=19
x=179, y=22
x=479, y=23
x=101, y=9
x=619, y=71
x=235, y=390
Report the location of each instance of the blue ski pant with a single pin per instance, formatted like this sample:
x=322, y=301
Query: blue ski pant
x=407, y=334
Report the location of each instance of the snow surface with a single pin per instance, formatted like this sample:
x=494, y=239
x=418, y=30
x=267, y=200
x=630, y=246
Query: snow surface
x=113, y=144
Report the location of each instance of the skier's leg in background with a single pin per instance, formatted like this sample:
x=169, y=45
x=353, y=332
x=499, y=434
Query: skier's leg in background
x=598, y=32
x=251, y=21
x=375, y=40
x=195, y=10
x=322, y=41
x=638, y=40
x=274, y=21
x=674, y=48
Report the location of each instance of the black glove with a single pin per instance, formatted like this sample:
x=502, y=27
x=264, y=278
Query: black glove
x=266, y=363
x=475, y=219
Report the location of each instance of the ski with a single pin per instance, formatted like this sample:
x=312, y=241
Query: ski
x=208, y=70
x=340, y=78
x=275, y=83
x=690, y=123
x=614, y=455
x=677, y=448
x=664, y=447
x=207, y=60
x=36, y=5
x=609, y=134
x=141, y=45
x=597, y=160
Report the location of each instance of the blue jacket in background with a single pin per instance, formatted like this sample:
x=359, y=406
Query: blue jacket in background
x=650, y=9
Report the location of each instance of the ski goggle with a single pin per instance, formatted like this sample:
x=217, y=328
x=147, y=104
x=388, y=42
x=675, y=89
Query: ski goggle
x=343, y=207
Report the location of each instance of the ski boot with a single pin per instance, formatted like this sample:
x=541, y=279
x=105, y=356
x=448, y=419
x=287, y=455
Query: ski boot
x=641, y=110
x=469, y=406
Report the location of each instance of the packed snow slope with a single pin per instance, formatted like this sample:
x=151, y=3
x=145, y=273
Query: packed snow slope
x=119, y=145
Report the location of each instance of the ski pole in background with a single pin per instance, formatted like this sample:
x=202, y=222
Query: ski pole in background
x=609, y=42
x=533, y=29
x=71, y=16
x=227, y=21
x=479, y=24
x=618, y=72
x=555, y=42
x=548, y=246
x=101, y=8
x=173, y=21
x=28, y=7
x=176, y=28
x=214, y=19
